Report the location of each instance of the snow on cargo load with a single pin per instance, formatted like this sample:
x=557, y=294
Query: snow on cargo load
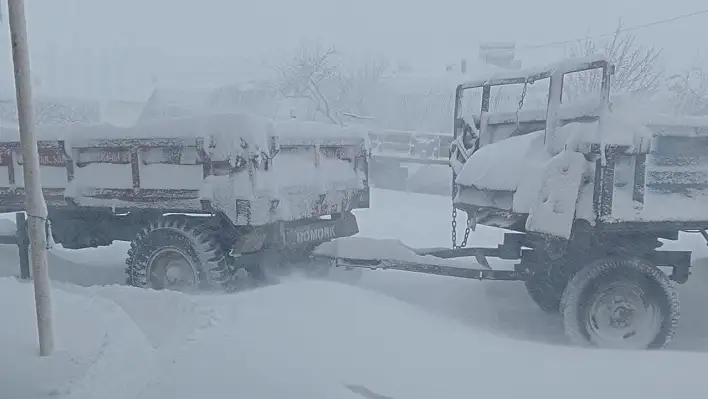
x=251, y=168
x=252, y=129
x=671, y=184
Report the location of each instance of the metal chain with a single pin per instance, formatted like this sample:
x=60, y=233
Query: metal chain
x=521, y=104
x=454, y=210
x=454, y=221
x=454, y=227
x=454, y=231
x=248, y=203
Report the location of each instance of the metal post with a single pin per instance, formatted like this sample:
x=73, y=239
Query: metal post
x=34, y=199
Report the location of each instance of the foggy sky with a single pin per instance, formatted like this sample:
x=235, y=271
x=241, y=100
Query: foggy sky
x=150, y=35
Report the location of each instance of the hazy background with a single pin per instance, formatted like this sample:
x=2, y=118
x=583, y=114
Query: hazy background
x=117, y=48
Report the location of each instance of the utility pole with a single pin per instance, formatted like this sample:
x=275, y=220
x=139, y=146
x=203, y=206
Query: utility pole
x=34, y=199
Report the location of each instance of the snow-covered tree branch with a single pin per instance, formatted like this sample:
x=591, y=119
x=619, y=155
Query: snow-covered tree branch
x=319, y=77
x=357, y=83
x=303, y=76
x=689, y=91
x=637, y=71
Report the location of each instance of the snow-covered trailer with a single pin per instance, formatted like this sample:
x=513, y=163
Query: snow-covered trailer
x=199, y=198
x=588, y=191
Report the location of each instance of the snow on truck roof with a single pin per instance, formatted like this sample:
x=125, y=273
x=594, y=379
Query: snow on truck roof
x=536, y=73
x=239, y=126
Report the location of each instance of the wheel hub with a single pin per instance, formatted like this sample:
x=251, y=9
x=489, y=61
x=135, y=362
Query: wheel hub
x=171, y=269
x=622, y=317
x=175, y=271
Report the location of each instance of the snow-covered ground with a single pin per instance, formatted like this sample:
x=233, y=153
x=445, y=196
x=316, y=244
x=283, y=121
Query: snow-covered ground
x=397, y=335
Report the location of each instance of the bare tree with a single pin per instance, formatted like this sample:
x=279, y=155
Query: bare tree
x=319, y=77
x=356, y=85
x=637, y=72
x=305, y=75
x=689, y=91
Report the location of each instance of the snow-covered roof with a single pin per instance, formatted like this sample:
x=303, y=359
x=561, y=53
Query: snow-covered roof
x=189, y=100
x=51, y=110
x=186, y=100
x=536, y=73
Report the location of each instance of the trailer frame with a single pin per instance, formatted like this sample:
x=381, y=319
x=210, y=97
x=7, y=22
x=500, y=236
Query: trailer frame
x=568, y=274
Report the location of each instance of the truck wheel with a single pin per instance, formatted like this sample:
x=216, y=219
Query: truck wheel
x=620, y=303
x=169, y=254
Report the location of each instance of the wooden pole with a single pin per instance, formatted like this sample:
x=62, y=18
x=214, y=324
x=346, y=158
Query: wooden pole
x=34, y=199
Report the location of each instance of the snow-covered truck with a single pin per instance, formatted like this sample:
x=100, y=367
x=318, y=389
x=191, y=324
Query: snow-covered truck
x=200, y=198
x=588, y=194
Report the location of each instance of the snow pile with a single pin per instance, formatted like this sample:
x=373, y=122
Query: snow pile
x=99, y=351
x=613, y=129
x=263, y=344
x=86, y=267
x=509, y=174
x=8, y=226
x=221, y=131
x=305, y=339
x=237, y=138
x=166, y=318
x=267, y=161
x=504, y=165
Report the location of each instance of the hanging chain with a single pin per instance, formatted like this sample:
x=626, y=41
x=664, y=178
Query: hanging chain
x=521, y=103
x=454, y=231
x=454, y=221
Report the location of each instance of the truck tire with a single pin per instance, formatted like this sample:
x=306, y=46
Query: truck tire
x=170, y=254
x=620, y=303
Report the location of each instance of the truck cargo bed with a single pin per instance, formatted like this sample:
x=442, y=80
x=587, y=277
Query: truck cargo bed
x=254, y=170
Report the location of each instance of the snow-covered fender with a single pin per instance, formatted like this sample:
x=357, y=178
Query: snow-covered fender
x=553, y=210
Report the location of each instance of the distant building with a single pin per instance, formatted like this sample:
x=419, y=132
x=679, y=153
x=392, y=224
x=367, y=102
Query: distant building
x=501, y=54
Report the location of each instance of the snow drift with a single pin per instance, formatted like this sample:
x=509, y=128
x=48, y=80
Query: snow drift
x=332, y=335
x=97, y=348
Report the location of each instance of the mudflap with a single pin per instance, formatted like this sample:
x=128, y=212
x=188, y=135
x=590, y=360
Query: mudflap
x=309, y=233
x=286, y=246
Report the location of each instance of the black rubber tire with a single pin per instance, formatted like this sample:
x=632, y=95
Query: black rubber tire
x=656, y=286
x=202, y=250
